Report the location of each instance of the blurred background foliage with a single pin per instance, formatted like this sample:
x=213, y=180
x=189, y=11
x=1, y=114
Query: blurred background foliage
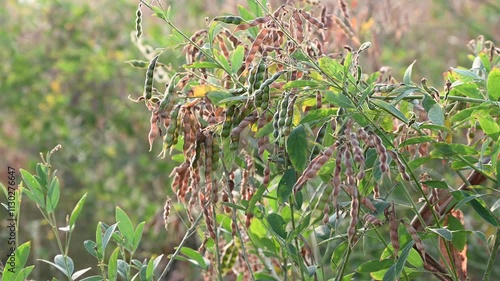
x=64, y=80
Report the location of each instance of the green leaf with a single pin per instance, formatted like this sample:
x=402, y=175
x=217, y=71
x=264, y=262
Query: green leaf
x=98, y=242
x=195, y=257
x=53, y=195
x=395, y=270
x=459, y=234
x=436, y=114
x=338, y=254
x=391, y=109
x=488, y=124
x=466, y=75
x=436, y=184
x=493, y=84
x=112, y=265
x=202, y=64
x=20, y=256
x=221, y=59
x=407, y=75
x=138, y=236
x=338, y=99
x=91, y=247
x=443, y=232
x=76, y=211
x=331, y=67
x=107, y=236
x=159, y=12
x=277, y=224
x=216, y=96
x=264, y=131
x=237, y=58
x=301, y=84
x=296, y=147
x=445, y=150
x=79, y=273
x=285, y=186
x=93, y=278
x=125, y=226
x=34, y=187
x=375, y=265
x=150, y=270
x=470, y=90
x=23, y=273
x=62, y=263
x=416, y=140
x=318, y=114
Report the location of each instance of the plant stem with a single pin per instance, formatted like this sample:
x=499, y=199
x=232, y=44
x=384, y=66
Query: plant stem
x=491, y=260
x=188, y=234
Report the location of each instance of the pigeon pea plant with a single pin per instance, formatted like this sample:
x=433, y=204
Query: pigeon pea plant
x=44, y=190
x=293, y=160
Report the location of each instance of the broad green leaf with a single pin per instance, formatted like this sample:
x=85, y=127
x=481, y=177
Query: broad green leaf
x=264, y=131
x=277, y=224
x=237, y=58
x=112, y=265
x=23, y=273
x=375, y=265
x=488, y=124
x=296, y=147
x=459, y=234
x=331, y=67
x=16, y=259
x=443, y=232
x=53, y=195
x=466, y=75
x=338, y=99
x=301, y=84
x=33, y=186
x=80, y=272
x=76, y=211
x=303, y=224
x=445, y=150
x=93, y=278
x=436, y=184
x=285, y=186
x=318, y=114
x=493, y=84
x=391, y=109
x=216, y=96
x=470, y=90
x=91, y=247
x=150, y=270
x=436, y=114
x=125, y=226
x=395, y=270
x=221, y=59
x=338, y=254
x=256, y=197
x=195, y=256
x=98, y=242
x=407, y=75
x=107, y=236
x=416, y=140
x=138, y=236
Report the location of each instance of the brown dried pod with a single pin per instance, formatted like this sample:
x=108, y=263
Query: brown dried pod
x=255, y=46
x=255, y=22
x=154, y=130
x=166, y=212
x=414, y=236
x=368, y=204
x=267, y=174
x=354, y=217
x=369, y=218
x=314, y=21
x=376, y=191
x=297, y=23
x=393, y=229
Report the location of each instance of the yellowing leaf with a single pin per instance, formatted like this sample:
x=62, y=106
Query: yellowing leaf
x=200, y=91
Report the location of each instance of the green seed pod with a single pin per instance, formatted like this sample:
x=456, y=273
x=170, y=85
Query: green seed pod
x=168, y=100
x=230, y=19
x=138, y=63
x=276, y=127
x=215, y=153
x=228, y=123
x=289, y=111
x=319, y=139
x=173, y=128
x=148, y=84
x=269, y=81
x=138, y=21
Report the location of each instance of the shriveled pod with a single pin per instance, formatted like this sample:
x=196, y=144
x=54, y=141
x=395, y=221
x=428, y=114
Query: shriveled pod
x=390, y=212
x=166, y=212
x=154, y=130
x=354, y=217
x=414, y=236
x=368, y=204
x=314, y=166
x=230, y=19
x=138, y=22
x=148, y=84
x=222, y=46
x=256, y=44
x=312, y=20
x=262, y=141
x=255, y=22
x=298, y=24
x=369, y=218
x=235, y=133
x=401, y=166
